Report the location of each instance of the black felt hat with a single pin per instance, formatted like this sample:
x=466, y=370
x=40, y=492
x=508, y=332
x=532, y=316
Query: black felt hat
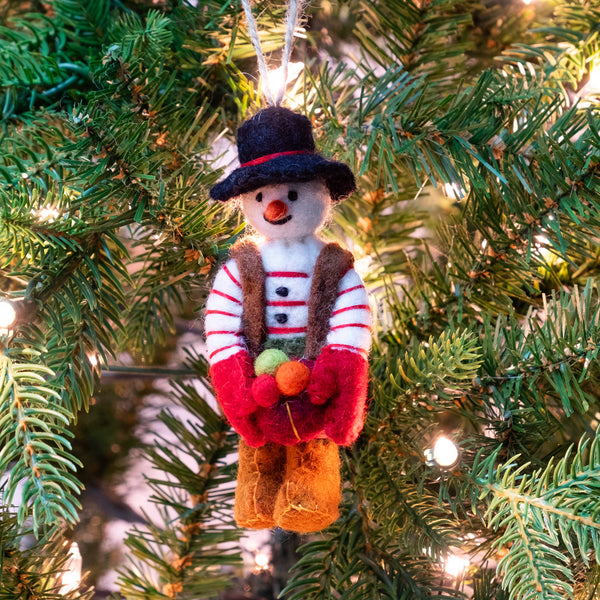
x=276, y=146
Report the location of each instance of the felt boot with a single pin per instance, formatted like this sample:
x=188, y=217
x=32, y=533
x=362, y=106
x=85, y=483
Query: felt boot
x=310, y=495
x=260, y=475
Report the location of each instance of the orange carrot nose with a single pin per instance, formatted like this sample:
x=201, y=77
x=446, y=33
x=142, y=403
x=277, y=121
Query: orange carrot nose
x=276, y=210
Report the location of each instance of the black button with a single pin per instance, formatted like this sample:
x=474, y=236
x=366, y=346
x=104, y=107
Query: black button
x=281, y=318
x=282, y=291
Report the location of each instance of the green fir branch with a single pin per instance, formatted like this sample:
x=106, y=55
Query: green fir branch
x=35, y=443
x=185, y=555
x=542, y=513
x=358, y=559
x=36, y=570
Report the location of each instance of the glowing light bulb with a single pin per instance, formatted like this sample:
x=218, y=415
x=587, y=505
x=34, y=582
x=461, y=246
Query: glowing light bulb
x=363, y=265
x=541, y=245
x=275, y=81
x=8, y=315
x=70, y=578
x=594, y=82
x=454, y=191
x=48, y=213
x=588, y=94
x=455, y=565
x=93, y=358
x=443, y=454
x=262, y=561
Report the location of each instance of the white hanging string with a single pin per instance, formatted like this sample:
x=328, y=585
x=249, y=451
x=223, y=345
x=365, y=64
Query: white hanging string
x=262, y=67
x=293, y=15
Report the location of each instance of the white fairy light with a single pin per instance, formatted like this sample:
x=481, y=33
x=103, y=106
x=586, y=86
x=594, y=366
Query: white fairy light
x=48, y=213
x=262, y=560
x=443, y=454
x=8, y=315
x=541, y=244
x=594, y=81
x=363, y=266
x=275, y=77
x=70, y=578
x=456, y=565
x=454, y=191
x=589, y=92
x=93, y=358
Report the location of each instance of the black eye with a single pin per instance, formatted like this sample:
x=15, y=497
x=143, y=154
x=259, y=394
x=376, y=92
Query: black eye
x=293, y=195
x=259, y=197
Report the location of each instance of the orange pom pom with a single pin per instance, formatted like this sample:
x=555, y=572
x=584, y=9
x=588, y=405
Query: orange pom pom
x=292, y=377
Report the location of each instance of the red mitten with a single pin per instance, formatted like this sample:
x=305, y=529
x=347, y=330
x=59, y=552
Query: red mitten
x=265, y=391
x=341, y=378
x=232, y=379
x=322, y=384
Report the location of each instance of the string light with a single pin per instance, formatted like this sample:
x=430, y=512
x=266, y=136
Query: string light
x=70, y=578
x=261, y=561
x=8, y=315
x=48, y=213
x=588, y=92
x=13, y=312
x=275, y=77
x=444, y=453
x=594, y=81
x=363, y=266
x=541, y=245
x=456, y=565
x=454, y=191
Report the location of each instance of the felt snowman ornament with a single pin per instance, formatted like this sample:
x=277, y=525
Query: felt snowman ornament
x=288, y=328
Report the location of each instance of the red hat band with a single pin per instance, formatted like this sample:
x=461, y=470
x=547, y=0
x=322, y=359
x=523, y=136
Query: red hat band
x=263, y=159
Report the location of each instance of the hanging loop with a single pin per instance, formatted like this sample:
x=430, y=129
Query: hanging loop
x=294, y=11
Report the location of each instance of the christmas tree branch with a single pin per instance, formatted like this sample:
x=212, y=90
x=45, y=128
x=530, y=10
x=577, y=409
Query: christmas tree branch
x=33, y=435
x=150, y=372
x=541, y=513
x=35, y=571
x=194, y=502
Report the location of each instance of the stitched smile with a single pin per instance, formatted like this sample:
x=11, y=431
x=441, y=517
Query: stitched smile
x=280, y=221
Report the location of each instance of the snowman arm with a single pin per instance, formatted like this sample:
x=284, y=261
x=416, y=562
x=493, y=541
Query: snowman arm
x=350, y=323
x=346, y=409
x=232, y=380
x=340, y=380
x=223, y=322
x=231, y=370
x=347, y=347
x=340, y=375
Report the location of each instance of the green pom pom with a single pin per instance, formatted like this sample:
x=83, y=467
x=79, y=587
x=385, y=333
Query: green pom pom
x=268, y=361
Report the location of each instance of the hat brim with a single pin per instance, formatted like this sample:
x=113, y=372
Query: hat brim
x=287, y=169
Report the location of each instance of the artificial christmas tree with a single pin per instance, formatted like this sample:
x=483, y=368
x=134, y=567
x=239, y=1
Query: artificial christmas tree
x=473, y=130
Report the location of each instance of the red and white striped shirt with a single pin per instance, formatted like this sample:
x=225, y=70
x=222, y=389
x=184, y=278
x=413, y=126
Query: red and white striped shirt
x=289, y=267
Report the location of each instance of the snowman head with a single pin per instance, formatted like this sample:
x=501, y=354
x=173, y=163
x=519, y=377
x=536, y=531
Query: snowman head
x=287, y=211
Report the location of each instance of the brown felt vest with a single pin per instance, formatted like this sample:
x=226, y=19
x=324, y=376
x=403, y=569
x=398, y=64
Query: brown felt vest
x=332, y=264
